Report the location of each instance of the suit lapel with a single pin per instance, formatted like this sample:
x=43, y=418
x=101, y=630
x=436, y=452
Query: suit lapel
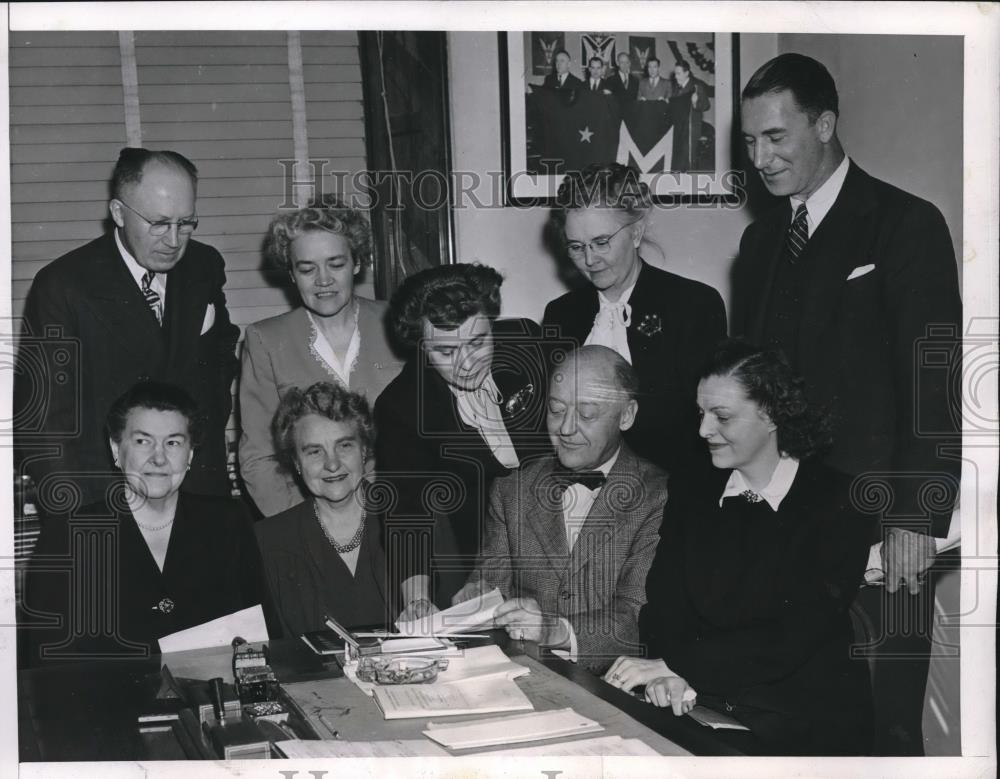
x=832, y=254
x=772, y=250
x=118, y=303
x=645, y=348
x=604, y=520
x=544, y=516
x=187, y=298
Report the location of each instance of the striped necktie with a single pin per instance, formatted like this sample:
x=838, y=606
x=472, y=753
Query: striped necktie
x=798, y=233
x=152, y=298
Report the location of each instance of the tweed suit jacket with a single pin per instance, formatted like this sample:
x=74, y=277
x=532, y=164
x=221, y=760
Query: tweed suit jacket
x=599, y=585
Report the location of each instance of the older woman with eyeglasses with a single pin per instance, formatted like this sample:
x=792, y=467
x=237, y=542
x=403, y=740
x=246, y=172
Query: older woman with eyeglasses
x=663, y=324
x=759, y=561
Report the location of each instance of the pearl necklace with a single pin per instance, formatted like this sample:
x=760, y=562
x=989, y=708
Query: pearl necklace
x=355, y=541
x=152, y=529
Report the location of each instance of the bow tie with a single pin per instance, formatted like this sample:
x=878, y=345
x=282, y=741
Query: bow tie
x=589, y=479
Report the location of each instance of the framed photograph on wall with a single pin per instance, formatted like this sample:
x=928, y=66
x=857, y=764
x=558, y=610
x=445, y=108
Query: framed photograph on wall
x=661, y=102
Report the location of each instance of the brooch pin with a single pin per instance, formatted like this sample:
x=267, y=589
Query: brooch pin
x=650, y=325
x=165, y=606
x=519, y=399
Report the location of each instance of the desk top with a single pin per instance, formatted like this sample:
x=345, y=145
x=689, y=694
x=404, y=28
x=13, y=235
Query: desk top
x=87, y=711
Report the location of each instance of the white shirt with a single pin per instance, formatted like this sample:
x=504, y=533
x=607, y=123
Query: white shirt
x=159, y=282
x=775, y=491
x=611, y=324
x=480, y=408
x=323, y=351
x=577, y=501
x=820, y=202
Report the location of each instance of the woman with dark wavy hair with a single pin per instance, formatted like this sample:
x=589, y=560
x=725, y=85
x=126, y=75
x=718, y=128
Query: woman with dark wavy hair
x=335, y=335
x=663, y=324
x=758, y=563
x=468, y=406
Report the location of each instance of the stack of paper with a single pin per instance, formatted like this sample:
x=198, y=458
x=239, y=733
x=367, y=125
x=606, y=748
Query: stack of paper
x=470, y=615
x=405, y=701
x=301, y=749
x=480, y=663
x=494, y=731
x=248, y=623
x=607, y=746
x=716, y=720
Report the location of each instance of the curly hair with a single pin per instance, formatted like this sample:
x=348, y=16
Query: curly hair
x=325, y=399
x=605, y=185
x=157, y=396
x=445, y=296
x=331, y=215
x=768, y=380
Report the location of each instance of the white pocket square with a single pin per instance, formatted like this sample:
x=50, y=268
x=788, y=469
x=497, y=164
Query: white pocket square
x=861, y=270
x=209, y=318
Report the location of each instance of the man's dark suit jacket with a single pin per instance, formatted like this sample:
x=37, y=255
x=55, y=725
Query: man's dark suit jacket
x=750, y=606
x=212, y=568
x=676, y=323
x=864, y=346
x=434, y=472
x=89, y=297
x=571, y=82
x=624, y=93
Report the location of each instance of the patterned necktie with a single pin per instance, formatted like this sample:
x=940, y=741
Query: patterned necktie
x=152, y=298
x=798, y=233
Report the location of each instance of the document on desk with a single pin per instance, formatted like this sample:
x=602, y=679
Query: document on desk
x=301, y=749
x=481, y=662
x=407, y=701
x=463, y=617
x=537, y=726
x=248, y=623
x=607, y=746
x=714, y=719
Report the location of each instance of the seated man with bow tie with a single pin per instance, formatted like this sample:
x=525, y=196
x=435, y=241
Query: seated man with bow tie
x=569, y=538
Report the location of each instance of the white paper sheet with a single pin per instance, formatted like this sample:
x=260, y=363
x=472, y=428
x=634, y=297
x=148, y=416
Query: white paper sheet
x=407, y=701
x=248, y=623
x=326, y=748
x=481, y=662
x=536, y=726
x=464, y=617
x=607, y=746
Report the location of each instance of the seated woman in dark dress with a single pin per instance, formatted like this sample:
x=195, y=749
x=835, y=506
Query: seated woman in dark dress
x=758, y=563
x=324, y=556
x=151, y=559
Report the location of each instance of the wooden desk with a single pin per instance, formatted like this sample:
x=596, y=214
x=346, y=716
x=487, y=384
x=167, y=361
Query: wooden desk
x=88, y=711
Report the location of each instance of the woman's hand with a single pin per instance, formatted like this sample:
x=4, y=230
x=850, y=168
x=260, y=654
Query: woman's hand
x=671, y=691
x=628, y=672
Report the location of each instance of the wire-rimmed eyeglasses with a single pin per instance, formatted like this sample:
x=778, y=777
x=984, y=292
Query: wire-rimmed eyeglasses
x=184, y=226
x=598, y=245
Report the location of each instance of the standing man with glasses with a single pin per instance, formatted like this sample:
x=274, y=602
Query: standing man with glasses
x=142, y=302
x=664, y=325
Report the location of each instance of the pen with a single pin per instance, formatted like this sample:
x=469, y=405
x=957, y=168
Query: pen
x=333, y=731
x=218, y=699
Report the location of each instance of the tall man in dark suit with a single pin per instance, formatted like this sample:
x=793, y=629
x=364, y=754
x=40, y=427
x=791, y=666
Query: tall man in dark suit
x=561, y=78
x=595, y=81
x=623, y=84
x=569, y=537
x=143, y=301
x=853, y=278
